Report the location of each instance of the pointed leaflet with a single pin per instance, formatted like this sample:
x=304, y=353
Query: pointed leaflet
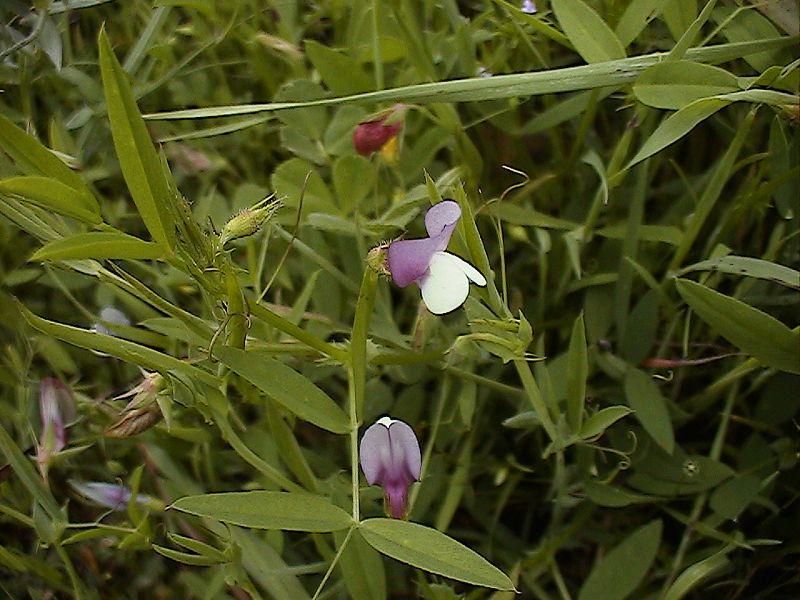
x=99, y=245
x=753, y=331
x=577, y=371
x=650, y=406
x=291, y=511
x=33, y=158
x=54, y=195
x=592, y=37
x=433, y=551
x=137, y=157
x=286, y=386
x=621, y=571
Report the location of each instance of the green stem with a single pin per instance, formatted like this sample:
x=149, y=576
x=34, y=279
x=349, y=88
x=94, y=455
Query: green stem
x=700, y=501
x=357, y=373
x=376, y=45
x=426, y=457
x=535, y=397
x=298, y=333
x=333, y=563
x=77, y=588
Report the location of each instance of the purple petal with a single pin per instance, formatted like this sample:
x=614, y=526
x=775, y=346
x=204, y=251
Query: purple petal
x=56, y=409
x=110, y=495
x=397, y=499
x=409, y=259
x=407, y=460
x=374, y=452
x=442, y=217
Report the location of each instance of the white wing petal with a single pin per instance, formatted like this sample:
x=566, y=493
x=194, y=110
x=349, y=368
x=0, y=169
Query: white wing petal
x=446, y=285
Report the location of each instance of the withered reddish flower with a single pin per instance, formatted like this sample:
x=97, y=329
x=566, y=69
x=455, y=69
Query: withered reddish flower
x=371, y=136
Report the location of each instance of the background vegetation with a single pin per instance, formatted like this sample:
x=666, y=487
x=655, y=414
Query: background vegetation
x=614, y=416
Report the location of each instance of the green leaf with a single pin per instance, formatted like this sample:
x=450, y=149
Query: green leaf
x=602, y=420
x=568, y=79
x=24, y=470
x=678, y=125
x=433, y=551
x=287, y=180
x=750, y=267
x=650, y=407
x=733, y=496
x=286, y=386
x=129, y=351
x=291, y=511
x=577, y=372
x=693, y=575
x=621, y=571
x=353, y=180
x=33, y=158
x=636, y=17
x=592, y=37
x=340, y=73
x=99, y=245
x=187, y=558
x=754, y=332
x=138, y=159
x=51, y=194
x=362, y=568
x=673, y=85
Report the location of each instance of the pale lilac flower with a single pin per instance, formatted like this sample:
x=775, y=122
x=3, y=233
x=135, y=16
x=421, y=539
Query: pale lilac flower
x=57, y=409
x=390, y=457
x=443, y=278
x=112, y=316
x=111, y=495
x=528, y=7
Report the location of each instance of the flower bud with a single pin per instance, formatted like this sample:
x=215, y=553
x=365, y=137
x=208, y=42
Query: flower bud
x=248, y=221
x=390, y=457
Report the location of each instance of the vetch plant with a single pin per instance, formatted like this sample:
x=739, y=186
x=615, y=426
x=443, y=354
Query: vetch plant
x=390, y=457
x=443, y=278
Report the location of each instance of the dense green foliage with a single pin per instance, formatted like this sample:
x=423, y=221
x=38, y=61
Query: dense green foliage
x=615, y=415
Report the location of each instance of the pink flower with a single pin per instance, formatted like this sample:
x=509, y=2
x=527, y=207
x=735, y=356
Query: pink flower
x=390, y=457
x=443, y=278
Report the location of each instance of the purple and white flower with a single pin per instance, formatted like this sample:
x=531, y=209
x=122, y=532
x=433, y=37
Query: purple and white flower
x=110, y=495
x=57, y=409
x=110, y=316
x=443, y=278
x=390, y=457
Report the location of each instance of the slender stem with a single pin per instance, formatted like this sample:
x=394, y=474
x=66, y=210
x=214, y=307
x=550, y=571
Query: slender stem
x=333, y=563
x=376, y=45
x=559, y=581
x=426, y=457
x=700, y=501
x=354, y=446
x=73, y=576
x=357, y=373
x=535, y=396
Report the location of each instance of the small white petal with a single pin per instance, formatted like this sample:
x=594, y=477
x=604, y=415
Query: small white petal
x=446, y=286
x=386, y=421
